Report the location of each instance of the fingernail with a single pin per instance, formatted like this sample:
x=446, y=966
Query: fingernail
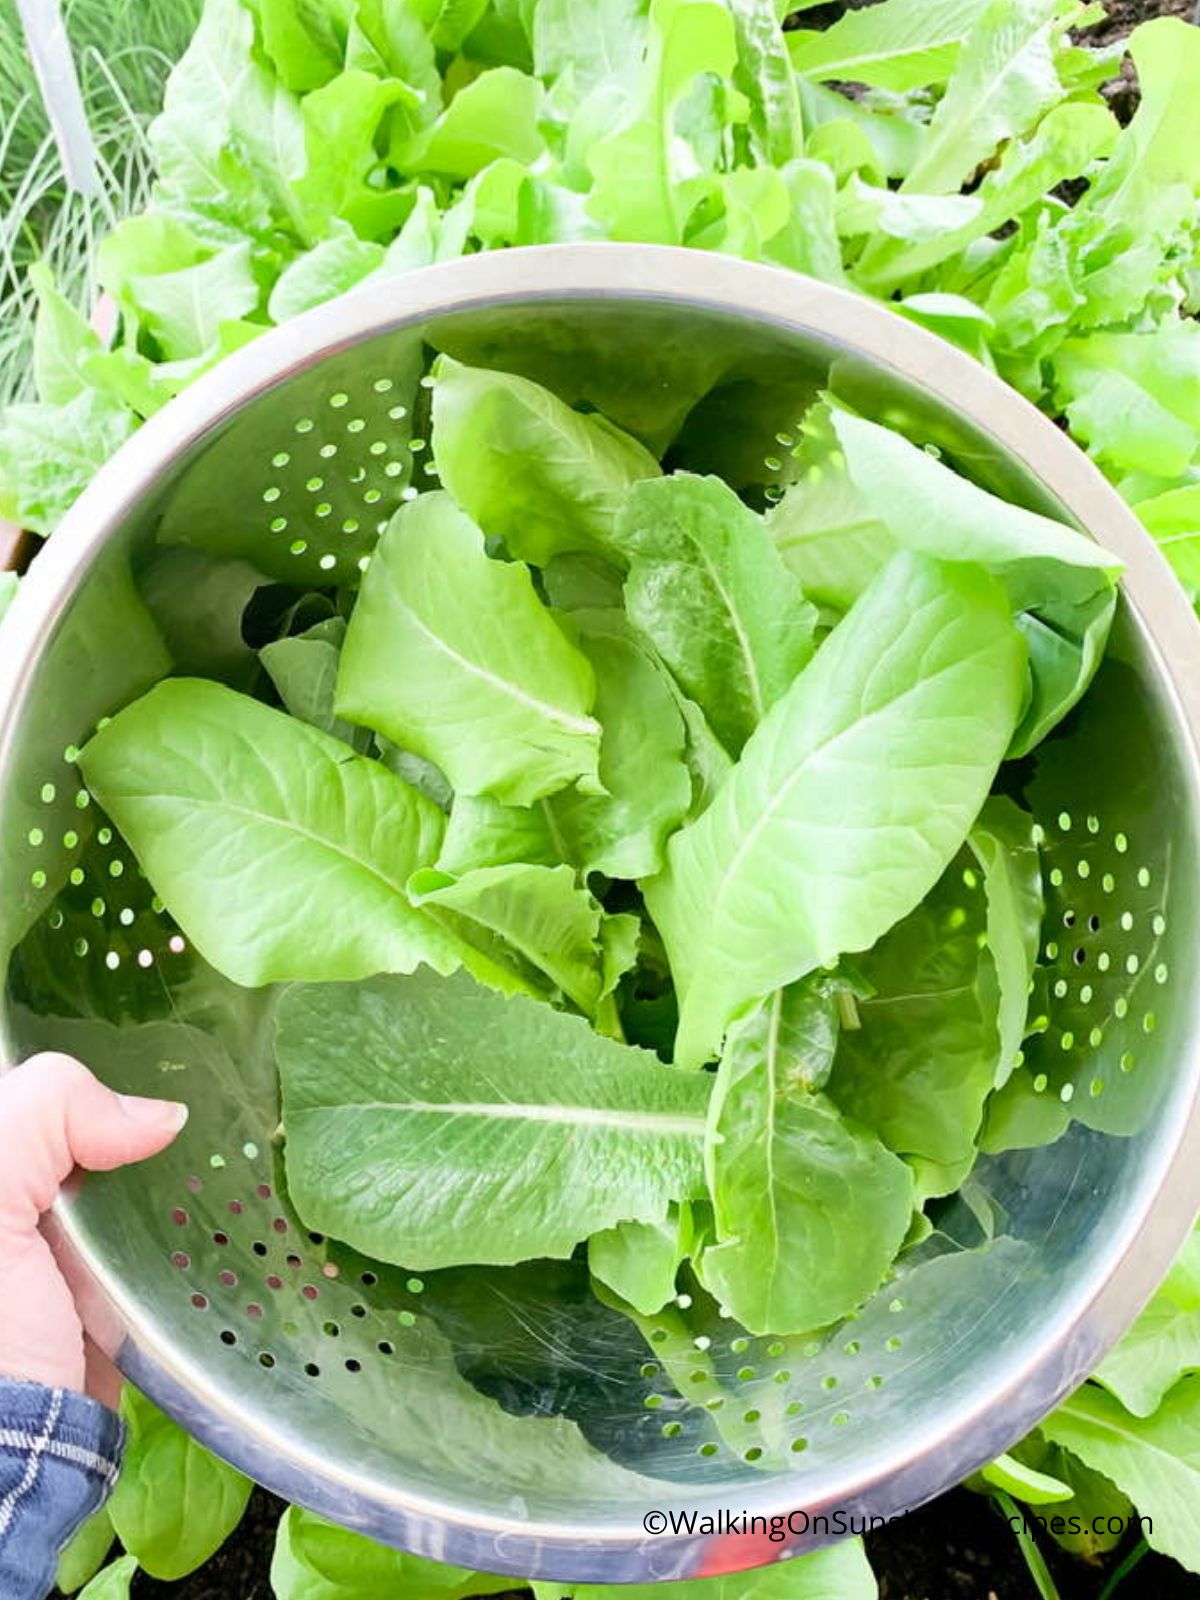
x=158, y=1114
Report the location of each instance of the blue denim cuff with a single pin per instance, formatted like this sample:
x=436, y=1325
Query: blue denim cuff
x=59, y=1457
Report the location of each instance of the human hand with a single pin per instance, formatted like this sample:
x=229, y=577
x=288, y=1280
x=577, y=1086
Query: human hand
x=54, y=1116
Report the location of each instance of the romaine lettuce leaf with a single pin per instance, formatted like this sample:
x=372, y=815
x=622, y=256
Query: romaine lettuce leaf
x=244, y=819
x=804, y=855
x=530, y=470
x=809, y=1208
x=452, y=655
x=531, y=1161
x=708, y=589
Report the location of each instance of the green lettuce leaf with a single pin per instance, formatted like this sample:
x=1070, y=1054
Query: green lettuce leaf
x=1004, y=842
x=1155, y=1460
x=328, y=269
x=530, y=470
x=174, y=1504
x=114, y=1582
x=229, y=142
x=493, y=116
x=483, y=833
x=62, y=340
x=531, y=1162
x=1063, y=145
x=1164, y=1343
x=1091, y=1499
x=1134, y=398
x=1173, y=518
x=798, y=859
x=592, y=41
x=647, y=180
x=708, y=588
x=50, y=453
x=809, y=1208
x=183, y=311
x=531, y=928
x=85, y=1551
x=764, y=75
x=647, y=787
x=306, y=43
x=304, y=670
x=453, y=656
x=1063, y=581
x=237, y=813
x=924, y=1058
x=1004, y=80
x=318, y=1560
x=899, y=45
x=639, y=1261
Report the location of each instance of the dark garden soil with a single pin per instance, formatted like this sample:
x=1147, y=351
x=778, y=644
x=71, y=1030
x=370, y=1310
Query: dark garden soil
x=955, y=1549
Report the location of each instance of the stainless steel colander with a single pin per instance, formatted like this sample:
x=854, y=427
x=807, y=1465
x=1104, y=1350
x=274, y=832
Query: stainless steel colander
x=505, y=1418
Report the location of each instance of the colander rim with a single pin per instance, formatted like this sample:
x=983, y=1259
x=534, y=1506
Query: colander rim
x=1100, y=1307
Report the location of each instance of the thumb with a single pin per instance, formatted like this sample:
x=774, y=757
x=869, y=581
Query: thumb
x=54, y=1116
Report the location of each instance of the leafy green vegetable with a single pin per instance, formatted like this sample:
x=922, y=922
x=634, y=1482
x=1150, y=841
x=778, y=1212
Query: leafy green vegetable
x=113, y=1583
x=1134, y=398
x=174, y=1503
x=1016, y=1478
x=494, y=116
x=646, y=176
x=639, y=1261
x=317, y=1560
x=534, y=930
x=924, y=1059
x=1155, y=1459
x=1004, y=80
x=532, y=1161
x=1164, y=1343
x=1062, y=581
x=527, y=468
x=62, y=340
x=85, y=1552
x=706, y=585
x=763, y=74
x=282, y=854
x=902, y=44
x=810, y=1210
x=1004, y=840
x=50, y=453
x=647, y=788
x=451, y=654
x=797, y=861
x=304, y=670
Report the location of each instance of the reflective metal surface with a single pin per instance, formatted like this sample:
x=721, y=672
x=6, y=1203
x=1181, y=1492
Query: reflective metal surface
x=506, y=1419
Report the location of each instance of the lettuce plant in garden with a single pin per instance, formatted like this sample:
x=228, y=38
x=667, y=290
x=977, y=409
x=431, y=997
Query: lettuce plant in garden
x=959, y=160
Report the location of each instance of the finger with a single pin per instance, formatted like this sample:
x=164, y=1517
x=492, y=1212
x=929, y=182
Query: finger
x=41, y=1339
x=54, y=1115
